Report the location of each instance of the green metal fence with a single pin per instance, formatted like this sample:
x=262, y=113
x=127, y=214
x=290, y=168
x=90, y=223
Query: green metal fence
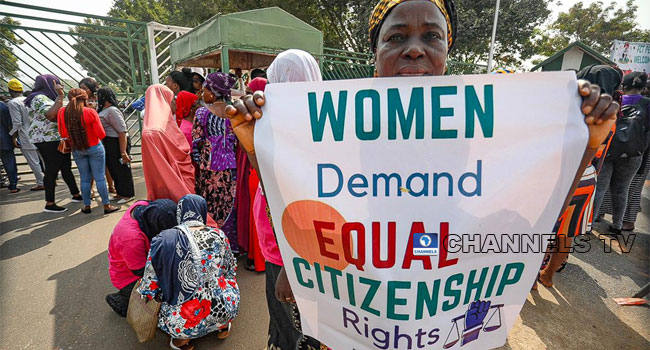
x=125, y=55
x=74, y=45
x=340, y=64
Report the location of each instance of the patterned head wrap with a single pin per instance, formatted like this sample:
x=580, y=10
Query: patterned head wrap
x=383, y=8
x=191, y=208
x=220, y=84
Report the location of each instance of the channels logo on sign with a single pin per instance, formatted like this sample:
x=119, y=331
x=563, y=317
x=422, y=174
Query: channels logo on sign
x=425, y=244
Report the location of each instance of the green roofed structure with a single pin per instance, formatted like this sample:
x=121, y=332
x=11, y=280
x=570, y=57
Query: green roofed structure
x=575, y=56
x=246, y=40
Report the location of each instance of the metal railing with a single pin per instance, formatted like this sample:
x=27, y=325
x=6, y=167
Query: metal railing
x=160, y=37
x=74, y=45
x=126, y=55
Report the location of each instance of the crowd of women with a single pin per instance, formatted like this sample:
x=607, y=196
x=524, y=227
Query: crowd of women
x=191, y=156
x=90, y=127
x=205, y=199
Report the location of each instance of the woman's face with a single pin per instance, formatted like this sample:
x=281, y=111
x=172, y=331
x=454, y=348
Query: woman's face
x=412, y=41
x=208, y=96
x=196, y=83
x=169, y=82
x=86, y=90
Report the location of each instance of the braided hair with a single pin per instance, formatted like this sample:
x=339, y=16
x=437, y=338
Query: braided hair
x=73, y=116
x=104, y=95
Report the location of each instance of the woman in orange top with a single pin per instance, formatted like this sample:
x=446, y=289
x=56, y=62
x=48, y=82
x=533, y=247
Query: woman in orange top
x=83, y=129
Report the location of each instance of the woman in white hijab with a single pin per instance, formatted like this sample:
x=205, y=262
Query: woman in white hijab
x=284, y=319
x=293, y=66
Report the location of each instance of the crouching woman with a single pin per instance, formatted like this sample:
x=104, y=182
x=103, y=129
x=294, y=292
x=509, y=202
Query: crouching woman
x=193, y=271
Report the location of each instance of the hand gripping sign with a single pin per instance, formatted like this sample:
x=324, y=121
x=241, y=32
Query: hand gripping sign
x=411, y=213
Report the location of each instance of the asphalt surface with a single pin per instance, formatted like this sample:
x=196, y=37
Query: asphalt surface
x=54, y=276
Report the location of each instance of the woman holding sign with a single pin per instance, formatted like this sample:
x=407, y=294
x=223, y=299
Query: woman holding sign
x=413, y=38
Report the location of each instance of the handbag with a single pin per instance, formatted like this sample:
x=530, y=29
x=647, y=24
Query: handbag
x=64, y=146
x=142, y=315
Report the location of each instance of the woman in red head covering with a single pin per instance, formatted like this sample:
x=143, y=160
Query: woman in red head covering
x=184, y=107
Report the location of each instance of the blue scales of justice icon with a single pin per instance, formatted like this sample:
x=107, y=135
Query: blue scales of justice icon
x=425, y=244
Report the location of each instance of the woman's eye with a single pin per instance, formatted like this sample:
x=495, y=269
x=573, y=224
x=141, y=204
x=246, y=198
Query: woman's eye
x=432, y=36
x=396, y=37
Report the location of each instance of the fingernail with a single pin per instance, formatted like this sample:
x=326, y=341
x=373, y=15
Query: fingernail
x=257, y=114
x=249, y=116
x=586, y=110
x=589, y=120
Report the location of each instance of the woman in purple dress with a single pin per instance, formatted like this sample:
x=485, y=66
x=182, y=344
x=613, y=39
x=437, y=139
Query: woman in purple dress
x=213, y=149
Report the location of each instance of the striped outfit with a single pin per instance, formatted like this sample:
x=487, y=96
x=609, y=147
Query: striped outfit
x=634, y=195
x=576, y=219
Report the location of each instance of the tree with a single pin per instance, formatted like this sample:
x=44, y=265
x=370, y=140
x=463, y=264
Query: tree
x=8, y=59
x=107, y=60
x=518, y=20
x=594, y=25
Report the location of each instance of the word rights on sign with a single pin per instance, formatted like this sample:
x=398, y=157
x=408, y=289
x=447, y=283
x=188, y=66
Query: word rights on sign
x=366, y=179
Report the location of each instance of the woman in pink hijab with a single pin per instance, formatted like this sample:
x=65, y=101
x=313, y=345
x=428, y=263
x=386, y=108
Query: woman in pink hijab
x=168, y=171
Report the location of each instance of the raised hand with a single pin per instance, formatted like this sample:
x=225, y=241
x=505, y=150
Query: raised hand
x=599, y=110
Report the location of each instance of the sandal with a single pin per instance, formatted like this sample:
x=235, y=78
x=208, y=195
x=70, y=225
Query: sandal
x=111, y=209
x=224, y=333
x=187, y=346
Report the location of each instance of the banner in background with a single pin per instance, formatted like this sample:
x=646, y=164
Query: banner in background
x=413, y=213
x=631, y=56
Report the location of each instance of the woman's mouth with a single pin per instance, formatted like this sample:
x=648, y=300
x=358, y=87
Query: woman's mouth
x=412, y=71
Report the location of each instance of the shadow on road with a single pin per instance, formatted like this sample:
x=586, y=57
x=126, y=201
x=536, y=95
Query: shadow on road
x=83, y=320
x=43, y=228
x=581, y=318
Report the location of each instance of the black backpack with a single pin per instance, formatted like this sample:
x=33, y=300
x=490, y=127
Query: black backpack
x=632, y=135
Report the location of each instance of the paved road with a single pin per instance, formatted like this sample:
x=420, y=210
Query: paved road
x=53, y=279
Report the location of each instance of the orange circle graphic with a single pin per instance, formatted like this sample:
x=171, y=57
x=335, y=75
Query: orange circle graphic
x=298, y=223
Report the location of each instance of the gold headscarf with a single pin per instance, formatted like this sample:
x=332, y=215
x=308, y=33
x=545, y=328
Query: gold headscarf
x=384, y=6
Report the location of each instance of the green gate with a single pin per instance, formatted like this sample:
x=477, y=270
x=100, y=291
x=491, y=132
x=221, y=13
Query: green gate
x=340, y=64
x=74, y=45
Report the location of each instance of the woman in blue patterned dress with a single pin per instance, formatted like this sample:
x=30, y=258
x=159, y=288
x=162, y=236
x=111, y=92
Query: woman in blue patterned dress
x=213, y=149
x=193, y=271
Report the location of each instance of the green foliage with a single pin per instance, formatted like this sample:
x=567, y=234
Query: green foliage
x=595, y=25
x=343, y=22
x=518, y=20
x=8, y=60
x=107, y=59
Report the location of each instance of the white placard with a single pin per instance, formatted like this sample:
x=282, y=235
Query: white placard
x=363, y=176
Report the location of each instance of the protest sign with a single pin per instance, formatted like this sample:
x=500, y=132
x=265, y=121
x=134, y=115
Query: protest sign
x=631, y=56
x=411, y=212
